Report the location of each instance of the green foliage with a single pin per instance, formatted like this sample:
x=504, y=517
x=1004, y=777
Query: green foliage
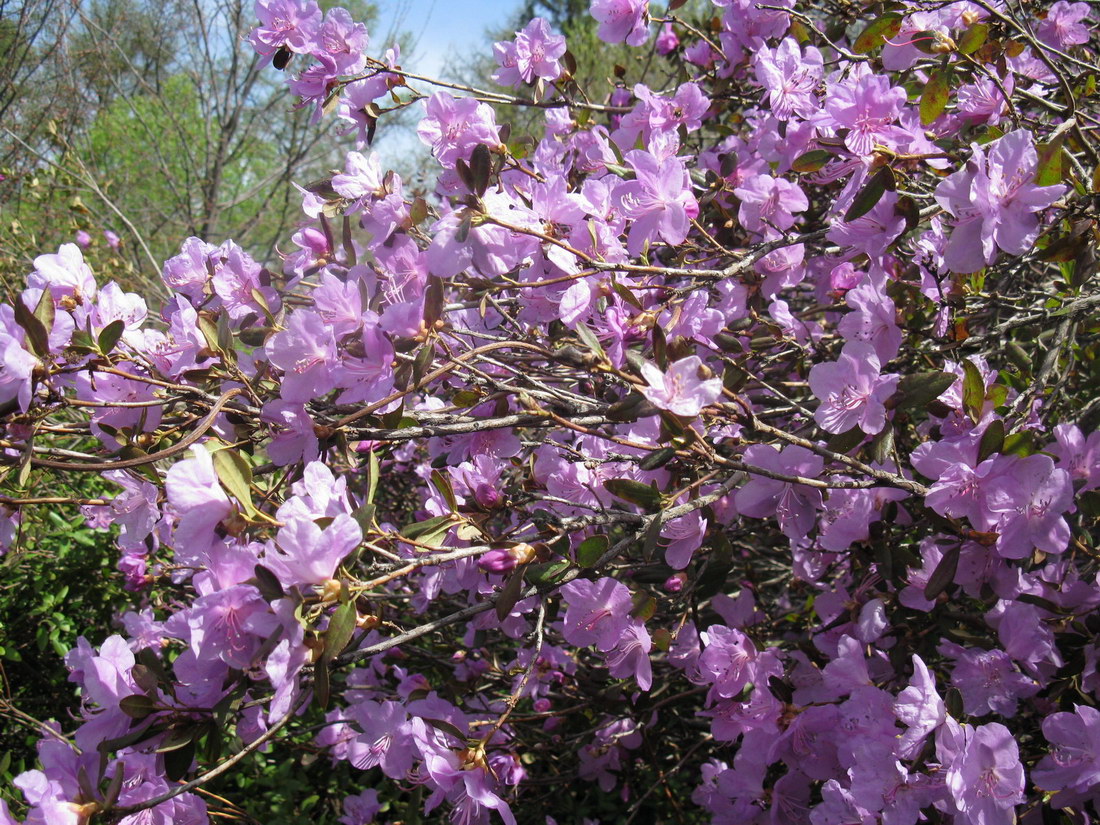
x=59, y=582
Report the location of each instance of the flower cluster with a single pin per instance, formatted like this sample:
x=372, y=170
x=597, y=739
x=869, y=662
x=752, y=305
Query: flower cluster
x=724, y=452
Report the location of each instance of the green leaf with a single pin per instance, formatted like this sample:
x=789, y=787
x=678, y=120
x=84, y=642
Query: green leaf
x=137, y=706
x=993, y=440
x=944, y=573
x=882, y=181
x=430, y=531
x=110, y=335
x=719, y=566
x=236, y=476
x=877, y=31
x=547, y=573
x=1049, y=170
x=973, y=38
x=147, y=470
x=657, y=458
x=481, y=167
x=341, y=628
x=589, y=339
x=933, y=99
x=364, y=517
x=510, y=593
x=373, y=473
x=590, y=550
x=847, y=441
x=973, y=391
x=37, y=335
x=268, y=584
x=812, y=161
x=433, y=301
x=44, y=312
x=178, y=762
x=917, y=391
x=652, y=538
x=635, y=492
x=882, y=445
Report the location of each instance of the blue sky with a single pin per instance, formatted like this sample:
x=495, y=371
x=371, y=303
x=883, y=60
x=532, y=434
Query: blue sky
x=444, y=32
x=443, y=29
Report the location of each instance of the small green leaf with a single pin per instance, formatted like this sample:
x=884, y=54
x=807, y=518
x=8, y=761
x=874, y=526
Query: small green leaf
x=178, y=762
x=657, y=458
x=993, y=440
x=268, y=584
x=589, y=339
x=868, y=197
x=590, y=550
x=847, y=441
x=973, y=391
x=510, y=593
x=110, y=335
x=137, y=706
x=37, y=335
x=882, y=445
x=547, y=573
x=481, y=167
x=430, y=531
x=635, y=492
x=973, y=38
x=1049, y=170
x=341, y=628
x=944, y=574
x=811, y=161
x=917, y=391
x=236, y=476
x=933, y=99
x=876, y=32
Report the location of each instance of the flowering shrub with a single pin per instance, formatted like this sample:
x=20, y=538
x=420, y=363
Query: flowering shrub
x=730, y=440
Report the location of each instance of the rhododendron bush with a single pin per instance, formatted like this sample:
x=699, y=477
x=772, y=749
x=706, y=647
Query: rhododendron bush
x=724, y=452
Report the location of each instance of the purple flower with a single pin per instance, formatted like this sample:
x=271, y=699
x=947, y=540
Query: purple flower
x=343, y=41
x=16, y=367
x=667, y=41
x=83, y=239
x=988, y=681
x=236, y=281
x=292, y=24
x=727, y=661
x=851, y=391
x=1029, y=498
x=681, y=390
x=791, y=77
x=1074, y=761
x=306, y=353
x=452, y=127
x=622, y=20
x=794, y=505
x=685, y=535
x=303, y=553
x=658, y=201
x=597, y=612
x=920, y=708
x=629, y=659
x=1064, y=26
x=872, y=320
x=985, y=778
x=194, y=492
x=112, y=239
x=768, y=204
x=994, y=201
x=866, y=106
x=535, y=54
x=1078, y=456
